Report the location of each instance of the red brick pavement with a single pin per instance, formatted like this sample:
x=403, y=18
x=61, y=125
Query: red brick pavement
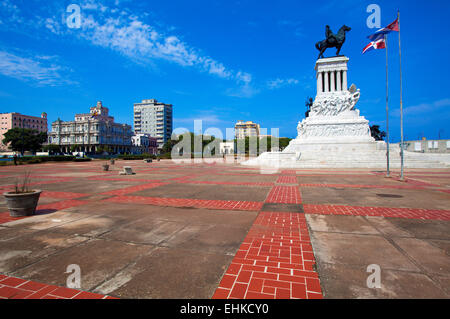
x=362, y=186
x=16, y=288
x=283, y=179
x=99, y=178
x=289, y=172
x=413, y=213
x=262, y=184
x=185, y=202
x=132, y=189
x=284, y=194
x=275, y=260
x=64, y=195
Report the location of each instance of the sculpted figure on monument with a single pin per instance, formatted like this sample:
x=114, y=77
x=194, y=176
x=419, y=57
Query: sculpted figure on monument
x=332, y=40
x=334, y=104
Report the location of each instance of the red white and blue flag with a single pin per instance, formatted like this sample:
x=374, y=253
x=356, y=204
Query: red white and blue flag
x=392, y=27
x=378, y=40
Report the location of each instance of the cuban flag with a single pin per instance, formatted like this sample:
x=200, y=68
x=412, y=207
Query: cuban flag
x=392, y=27
x=378, y=40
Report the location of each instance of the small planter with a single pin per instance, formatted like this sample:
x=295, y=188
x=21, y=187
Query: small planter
x=106, y=167
x=22, y=204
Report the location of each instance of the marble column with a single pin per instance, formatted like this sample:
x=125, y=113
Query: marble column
x=333, y=81
x=339, y=80
x=344, y=80
x=319, y=82
x=327, y=82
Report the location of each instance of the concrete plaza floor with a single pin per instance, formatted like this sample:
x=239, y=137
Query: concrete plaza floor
x=185, y=230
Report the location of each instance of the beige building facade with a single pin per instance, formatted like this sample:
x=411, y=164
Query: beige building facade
x=16, y=120
x=246, y=129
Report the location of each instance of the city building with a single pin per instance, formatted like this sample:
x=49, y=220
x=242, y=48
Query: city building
x=428, y=146
x=246, y=129
x=13, y=120
x=144, y=143
x=92, y=132
x=154, y=118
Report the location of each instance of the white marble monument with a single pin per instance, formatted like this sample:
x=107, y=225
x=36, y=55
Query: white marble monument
x=335, y=134
x=333, y=118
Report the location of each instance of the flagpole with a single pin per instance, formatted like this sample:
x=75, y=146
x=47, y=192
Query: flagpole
x=401, y=99
x=387, y=109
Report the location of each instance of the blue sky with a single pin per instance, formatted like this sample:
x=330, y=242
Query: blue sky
x=219, y=61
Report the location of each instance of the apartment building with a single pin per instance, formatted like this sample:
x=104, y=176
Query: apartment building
x=155, y=119
x=13, y=120
x=246, y=129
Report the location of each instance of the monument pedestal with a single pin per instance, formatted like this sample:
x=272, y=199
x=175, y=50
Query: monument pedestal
x=335, y=134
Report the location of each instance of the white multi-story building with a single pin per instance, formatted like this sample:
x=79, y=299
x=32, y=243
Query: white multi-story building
x=91, y=132
x=144, y=143
x=154, y=118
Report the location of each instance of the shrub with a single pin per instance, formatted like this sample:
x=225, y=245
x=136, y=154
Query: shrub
x=82, y=159
x=131, y=157
x=165, y=156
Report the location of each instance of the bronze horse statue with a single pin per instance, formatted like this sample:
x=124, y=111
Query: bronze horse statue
x=332, y=40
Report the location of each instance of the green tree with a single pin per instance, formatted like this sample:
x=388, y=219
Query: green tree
x=376, y=133
x=204, y=140
x=52, y=149
x=75, y=148
x=23, y=139
x=284, y=142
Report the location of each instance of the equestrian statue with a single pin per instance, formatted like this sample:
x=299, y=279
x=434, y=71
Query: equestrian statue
x=332, y=40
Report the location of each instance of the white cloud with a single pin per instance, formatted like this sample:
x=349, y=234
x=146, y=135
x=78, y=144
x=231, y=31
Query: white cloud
x=39, y=70
x=423, y=108
x=127, y=33
x=53, y=25
x=278, y=83
x=141, y=42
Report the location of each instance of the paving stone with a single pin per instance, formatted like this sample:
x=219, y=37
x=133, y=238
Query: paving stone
x=159, y=275
x=218, y=192
x=275, y=260
x=426, y=199
x=362, y=250
x=201, y=230
x=279, y=207
x=340, y=224
x=98, y=260
x=433, y=259
x=350, y=282
x=29, y=248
